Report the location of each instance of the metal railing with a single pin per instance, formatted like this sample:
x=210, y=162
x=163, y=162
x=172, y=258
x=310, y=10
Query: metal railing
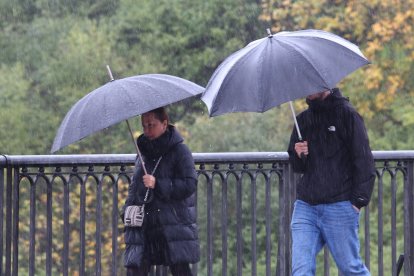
x=60, y=214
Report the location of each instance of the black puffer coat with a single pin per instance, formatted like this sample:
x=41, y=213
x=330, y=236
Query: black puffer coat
x=340, y=165
x=169, y=234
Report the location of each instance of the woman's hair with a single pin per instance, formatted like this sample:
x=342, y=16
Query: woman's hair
x=161, y=114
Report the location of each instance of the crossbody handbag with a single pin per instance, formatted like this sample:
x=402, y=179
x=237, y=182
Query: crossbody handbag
x=134, y=214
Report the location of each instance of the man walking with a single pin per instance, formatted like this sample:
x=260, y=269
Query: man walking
x=338, y=177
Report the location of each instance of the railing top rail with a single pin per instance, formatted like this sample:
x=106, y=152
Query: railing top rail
x=240, y=157
x=394, y=155
x=69, y=159
x=214, y=157
x=85, y=159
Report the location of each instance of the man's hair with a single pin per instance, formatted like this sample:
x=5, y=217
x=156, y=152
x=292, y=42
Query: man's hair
x=160, y=113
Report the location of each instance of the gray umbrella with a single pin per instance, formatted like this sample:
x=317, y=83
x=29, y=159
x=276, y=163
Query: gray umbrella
x=280, y=68
x=119, y=100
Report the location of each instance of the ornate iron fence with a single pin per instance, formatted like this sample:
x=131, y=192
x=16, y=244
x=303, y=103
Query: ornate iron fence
x=60, y=214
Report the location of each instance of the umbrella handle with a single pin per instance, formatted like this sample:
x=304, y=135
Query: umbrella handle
x=136, y=147
x=302, y=155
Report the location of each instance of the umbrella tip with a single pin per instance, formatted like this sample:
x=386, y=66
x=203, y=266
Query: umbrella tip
x=109, y=72
x=269, y=33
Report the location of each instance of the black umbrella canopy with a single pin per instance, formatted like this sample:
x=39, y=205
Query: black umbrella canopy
x=120, y=100
x=280, y=68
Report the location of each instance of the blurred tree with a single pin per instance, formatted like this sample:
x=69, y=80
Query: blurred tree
x=13, y=87
x=185, y=38
x=24, y=11
x=383, y=29
x=269, y=131
x=64, y=49
x=64, y=59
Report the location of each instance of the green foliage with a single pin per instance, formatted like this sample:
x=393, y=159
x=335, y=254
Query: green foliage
x=64, y=50
x=184, y=38
x=269, y=131
x=190, y=37
x=55, y=52
x=13, y=95
x=392, y=128
x=27, y=10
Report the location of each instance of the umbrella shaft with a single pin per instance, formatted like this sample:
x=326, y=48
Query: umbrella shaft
x=136, y=147
x=296, y=121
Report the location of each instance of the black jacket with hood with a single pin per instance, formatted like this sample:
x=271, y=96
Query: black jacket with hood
x=340, y=165
x=169, y=234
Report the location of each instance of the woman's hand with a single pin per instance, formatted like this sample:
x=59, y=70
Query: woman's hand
x=149, y=181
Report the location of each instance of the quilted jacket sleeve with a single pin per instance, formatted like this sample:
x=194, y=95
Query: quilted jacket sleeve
x=183, y=183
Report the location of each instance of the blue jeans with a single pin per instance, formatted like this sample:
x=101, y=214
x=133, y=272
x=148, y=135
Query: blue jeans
x=335, y=225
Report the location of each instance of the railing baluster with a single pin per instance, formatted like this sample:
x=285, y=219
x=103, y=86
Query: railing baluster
x=224, y=223
x=9, y=208
x=268, y=225
x=326, y=265
x=49, y=227
x=32, y=221
x=393, y=222
x=254, y=226
x=66, y=213
x=2, y=169
x=409, y=219
x=115, y=218
x=210, y=226
x=380, y=245
x=15, y=227
x=82, y=225
x=98, y=239
x=285, y=207
x=239, y=226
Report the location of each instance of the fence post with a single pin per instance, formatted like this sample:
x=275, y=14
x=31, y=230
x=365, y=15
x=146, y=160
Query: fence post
x=2, y=169
x=8, y=229
x=409, y=220
x=286, y=198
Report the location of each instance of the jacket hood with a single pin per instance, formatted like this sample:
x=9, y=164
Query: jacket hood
x=161, y=145
x=334, y=99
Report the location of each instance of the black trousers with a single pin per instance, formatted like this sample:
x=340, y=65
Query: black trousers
x=176, y=270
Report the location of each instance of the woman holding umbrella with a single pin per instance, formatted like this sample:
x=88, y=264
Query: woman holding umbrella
x=168, y=235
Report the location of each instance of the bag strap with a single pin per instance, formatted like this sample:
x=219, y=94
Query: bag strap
x=152, y=173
